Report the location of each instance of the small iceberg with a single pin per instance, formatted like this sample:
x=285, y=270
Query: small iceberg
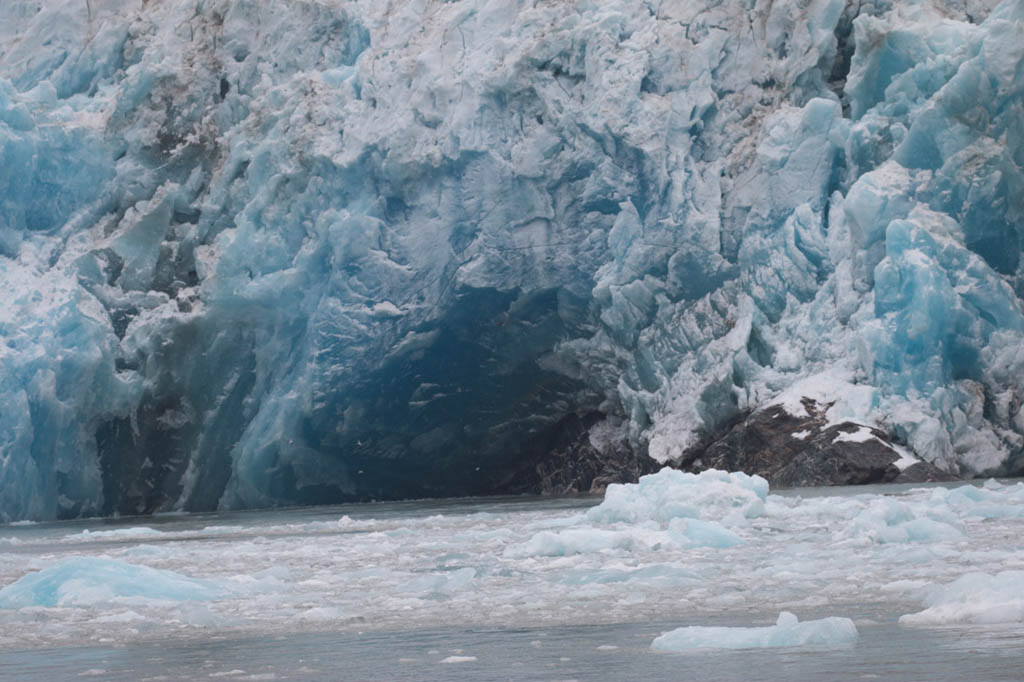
x=973, y=599
x=86, y=581
x=787, y=632
x=672, y=494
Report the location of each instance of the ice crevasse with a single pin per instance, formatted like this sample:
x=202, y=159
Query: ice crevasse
x=280, y=251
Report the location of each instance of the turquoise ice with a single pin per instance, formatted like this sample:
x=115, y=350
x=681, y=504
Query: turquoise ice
x=272, y=253
x=88, y=581
x=788, y=631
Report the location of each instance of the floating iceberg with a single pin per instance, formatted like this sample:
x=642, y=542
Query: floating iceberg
x=719, y=510
x=974, y=599
x=672, y=494
x=993, y=501
x=276, y=253
x=886, y=522
x=88, y=581
x=667, y=507
x=787, y=632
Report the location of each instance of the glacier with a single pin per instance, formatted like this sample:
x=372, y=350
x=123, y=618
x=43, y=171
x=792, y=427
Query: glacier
x=278, y=252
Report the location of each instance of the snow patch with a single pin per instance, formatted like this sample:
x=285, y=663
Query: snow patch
x=841, y=399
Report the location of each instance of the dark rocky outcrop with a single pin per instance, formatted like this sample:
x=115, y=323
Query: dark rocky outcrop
x=564, y=460
x=792, y=450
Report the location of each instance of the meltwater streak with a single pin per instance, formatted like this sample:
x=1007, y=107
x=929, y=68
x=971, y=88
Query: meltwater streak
x=509, y=588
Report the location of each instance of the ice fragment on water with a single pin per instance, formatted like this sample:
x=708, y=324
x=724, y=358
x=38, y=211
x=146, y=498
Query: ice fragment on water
x=973, y=599
x=87, y=581
x=787, y=632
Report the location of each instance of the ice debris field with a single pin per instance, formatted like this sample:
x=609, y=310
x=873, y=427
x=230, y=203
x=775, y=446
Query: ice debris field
x=280, y=252
x=714, y=556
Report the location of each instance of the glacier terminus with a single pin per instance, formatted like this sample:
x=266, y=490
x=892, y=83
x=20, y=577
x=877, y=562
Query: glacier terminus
x=275, y=252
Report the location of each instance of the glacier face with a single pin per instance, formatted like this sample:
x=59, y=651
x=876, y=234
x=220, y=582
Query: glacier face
x=276, y=252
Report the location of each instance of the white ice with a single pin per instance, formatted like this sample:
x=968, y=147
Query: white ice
x=975, y=598
x=787, y=632
x=714, y=549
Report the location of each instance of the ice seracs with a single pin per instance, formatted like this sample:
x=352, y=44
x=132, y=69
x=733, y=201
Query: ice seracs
x=283, y=252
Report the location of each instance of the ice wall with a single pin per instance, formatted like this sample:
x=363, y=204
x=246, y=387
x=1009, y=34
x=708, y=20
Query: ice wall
x=277, y=252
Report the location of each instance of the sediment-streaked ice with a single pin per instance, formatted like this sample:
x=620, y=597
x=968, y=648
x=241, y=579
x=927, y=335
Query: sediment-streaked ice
x=788, y=631
x=707, y=550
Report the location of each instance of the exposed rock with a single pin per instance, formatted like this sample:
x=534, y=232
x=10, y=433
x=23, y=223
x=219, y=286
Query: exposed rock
x=791, y=450
x=923, y=472
x=566, y=460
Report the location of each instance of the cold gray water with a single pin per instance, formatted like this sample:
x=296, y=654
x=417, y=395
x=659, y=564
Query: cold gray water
x=528, y=589
x=595, y=653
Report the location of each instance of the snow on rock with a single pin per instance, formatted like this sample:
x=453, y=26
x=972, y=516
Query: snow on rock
x=787, y=632
x=801, y=443
x=281, y=252
x=843, y=399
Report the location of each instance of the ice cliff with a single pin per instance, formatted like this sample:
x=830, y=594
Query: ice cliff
x=266, y=252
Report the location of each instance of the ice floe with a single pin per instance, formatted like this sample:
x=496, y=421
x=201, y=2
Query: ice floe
x=91, y=581
x=788, y=631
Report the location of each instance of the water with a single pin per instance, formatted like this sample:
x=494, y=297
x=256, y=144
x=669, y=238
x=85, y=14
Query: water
x=452, y=591
x=566, y=653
